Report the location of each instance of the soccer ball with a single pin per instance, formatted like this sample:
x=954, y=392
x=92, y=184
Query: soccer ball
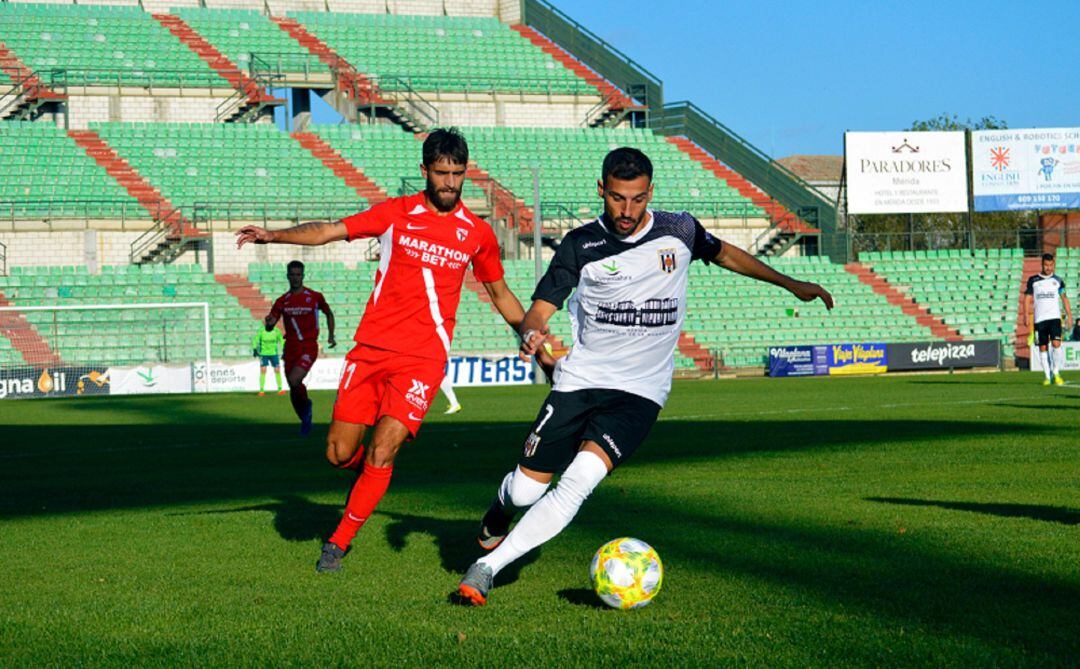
x=626, y=573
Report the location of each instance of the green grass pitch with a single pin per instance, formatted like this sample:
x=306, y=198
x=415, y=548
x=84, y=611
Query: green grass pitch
x=889, y=522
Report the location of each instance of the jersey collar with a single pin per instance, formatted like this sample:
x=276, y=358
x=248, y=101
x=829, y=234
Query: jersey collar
x=634, y=238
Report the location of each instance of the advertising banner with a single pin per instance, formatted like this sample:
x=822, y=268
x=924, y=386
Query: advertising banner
x=150, y=379
x=857, y=359
x=906, y=172
x=1069, y=357
x=1026, y=168
x=944, y=355
x=475, y=370
x=828, y=359
x=798, y=361
x=30, y=382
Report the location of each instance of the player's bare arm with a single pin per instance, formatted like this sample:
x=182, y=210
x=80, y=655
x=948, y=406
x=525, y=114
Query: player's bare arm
x=330, y=341
x=312, y=233
x=513, y=313
x=735, y=259
x=1068, y=308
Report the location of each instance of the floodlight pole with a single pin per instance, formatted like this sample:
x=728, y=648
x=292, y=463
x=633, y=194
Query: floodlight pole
x=538, y=221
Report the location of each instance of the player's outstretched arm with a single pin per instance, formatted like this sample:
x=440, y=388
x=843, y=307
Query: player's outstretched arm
x=313, y=233
x=735, y=259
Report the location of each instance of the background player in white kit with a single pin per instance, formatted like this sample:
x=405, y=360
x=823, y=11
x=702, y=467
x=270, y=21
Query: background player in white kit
x=628, y=272
x=1044, y=316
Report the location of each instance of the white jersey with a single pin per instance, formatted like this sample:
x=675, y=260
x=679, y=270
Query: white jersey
x=628, y=303
x=1045, y=291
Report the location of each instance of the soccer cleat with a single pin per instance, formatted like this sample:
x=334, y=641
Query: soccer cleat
x=454, y=408
x=1046, y=382
x=305, y=422
x=1058, y=381
x=474, y=588
x=282, y=392
x=262, y=394
x=330, y=560
x=494, y=527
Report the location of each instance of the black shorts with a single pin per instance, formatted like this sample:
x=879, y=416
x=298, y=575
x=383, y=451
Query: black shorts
x=1047, y=330
x=617, y=421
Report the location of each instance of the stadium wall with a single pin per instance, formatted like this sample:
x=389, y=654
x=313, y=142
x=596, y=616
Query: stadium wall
x=111, y=106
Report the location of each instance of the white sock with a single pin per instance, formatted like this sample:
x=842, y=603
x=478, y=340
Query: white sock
x=447, y=388
x=552, y=513
x=1048, y=362
x=1056, y=354
x=518, y=491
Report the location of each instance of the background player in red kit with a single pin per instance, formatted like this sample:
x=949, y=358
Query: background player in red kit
x=299, y=306
x=390, y=377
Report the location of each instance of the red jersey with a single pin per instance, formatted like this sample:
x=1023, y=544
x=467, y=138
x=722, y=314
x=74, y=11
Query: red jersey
x=422, y=261
x=300, y=311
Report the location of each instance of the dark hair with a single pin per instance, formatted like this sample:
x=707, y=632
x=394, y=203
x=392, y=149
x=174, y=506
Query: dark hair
x=625, y=163
x=1048, y=256
x=294, y=263
x=446, y=143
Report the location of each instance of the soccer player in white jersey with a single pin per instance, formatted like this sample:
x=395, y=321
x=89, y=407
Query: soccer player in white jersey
x=1044, y=316
x=628, y=272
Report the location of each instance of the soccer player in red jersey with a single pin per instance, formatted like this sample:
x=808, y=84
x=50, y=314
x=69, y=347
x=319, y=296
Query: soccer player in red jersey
x=426, y=240
x=299, y=306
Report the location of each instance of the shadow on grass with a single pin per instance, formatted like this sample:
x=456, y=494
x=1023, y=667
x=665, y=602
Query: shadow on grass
x=455, y=539
x=70, y=469
x=1051, y=514
x=295, y=518
x=898, y=578
x=582, y=597
x=1037, y=407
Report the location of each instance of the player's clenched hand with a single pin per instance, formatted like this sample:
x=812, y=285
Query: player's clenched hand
x=331, y=342
x=253, y=234
x=546, y=360
x=808, y=292
x=532, y=341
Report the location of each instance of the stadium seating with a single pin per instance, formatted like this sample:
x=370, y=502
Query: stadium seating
x=570, y=160
x=975, y=294
x=741, y=318
x=46, y=175
x=101, y=45
x=236, y=170
x=145, y=336
x=237, y=33
x=447, y=53
x=385, y=154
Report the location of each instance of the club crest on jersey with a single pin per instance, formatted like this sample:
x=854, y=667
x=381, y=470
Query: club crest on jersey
x=667, y=260
x=531, y=443
x=462, y=234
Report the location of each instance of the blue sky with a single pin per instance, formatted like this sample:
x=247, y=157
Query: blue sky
x=792, y=76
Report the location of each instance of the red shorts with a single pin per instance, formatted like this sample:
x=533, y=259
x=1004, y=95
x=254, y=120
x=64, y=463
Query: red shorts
x=376, y=383
x=300, y=354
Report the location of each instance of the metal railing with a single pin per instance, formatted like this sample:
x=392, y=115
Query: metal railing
x=602, y=57
x=149, y=78
x=797, y=196
x=3, y=259
x=423, y=113
x=15, y=96
x=240, y=106
x=204, y=213
x=12, y=211
x=1028, y=239
x=288, y=63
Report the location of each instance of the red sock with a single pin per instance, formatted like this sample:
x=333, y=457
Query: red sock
x=298, y=395
x=356, y=461
x=369, y=488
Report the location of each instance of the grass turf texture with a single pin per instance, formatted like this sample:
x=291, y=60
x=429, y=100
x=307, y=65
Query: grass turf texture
x=907, y=521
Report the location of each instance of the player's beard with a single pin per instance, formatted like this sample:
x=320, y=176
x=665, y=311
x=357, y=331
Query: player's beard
x=442, y=199
x=615, y=225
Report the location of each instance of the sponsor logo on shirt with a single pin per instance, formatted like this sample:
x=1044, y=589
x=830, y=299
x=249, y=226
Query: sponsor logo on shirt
x=654, y=313
x=431, y=253
x=589, y=245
